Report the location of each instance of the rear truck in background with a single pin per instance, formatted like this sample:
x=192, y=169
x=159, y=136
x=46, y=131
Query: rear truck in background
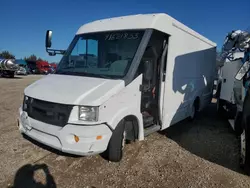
x=32, y=68
x=8, y=67
x=120, y=80
x=43, y=67
x=233, y=93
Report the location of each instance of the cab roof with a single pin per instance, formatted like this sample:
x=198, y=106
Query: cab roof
x=160, y=21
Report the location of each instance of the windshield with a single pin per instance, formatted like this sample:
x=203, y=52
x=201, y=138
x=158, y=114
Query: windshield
x=103, y=54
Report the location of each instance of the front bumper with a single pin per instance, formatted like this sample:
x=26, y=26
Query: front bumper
x=62, y=138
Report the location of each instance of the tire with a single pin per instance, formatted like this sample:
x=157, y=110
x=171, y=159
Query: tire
x=219, y=107
x=238, y=124
x=194, y=111
x=245, y=136
x=117, y=143
x=12, y=75
x=245, y=147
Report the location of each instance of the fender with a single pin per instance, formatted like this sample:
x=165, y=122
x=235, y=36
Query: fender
x=122, y=113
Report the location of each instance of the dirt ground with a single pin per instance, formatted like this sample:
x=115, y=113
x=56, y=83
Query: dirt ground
x=203, y=153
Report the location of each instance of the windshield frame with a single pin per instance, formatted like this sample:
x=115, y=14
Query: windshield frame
x=132, y=67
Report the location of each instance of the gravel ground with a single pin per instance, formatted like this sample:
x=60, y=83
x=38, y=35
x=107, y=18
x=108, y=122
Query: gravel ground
x=203, y=153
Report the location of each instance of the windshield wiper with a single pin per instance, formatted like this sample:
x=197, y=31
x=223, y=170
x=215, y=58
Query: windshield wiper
x=102, y=76
x=66, y=72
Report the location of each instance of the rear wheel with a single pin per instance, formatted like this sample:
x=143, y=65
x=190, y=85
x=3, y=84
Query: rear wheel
x=238, y=123
x=12, y=74
x=219, y=107
x=117, y=143
x=194, y=110
x=245, y=149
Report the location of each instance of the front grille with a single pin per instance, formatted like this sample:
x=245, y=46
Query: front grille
x=48, y=112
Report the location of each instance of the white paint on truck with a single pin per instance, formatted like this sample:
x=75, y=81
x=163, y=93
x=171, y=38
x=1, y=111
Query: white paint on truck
x=182, y=75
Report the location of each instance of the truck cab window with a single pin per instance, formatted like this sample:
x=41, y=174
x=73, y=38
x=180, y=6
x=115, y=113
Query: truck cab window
x=80, y=48
x=104, y=54
x=93, y=47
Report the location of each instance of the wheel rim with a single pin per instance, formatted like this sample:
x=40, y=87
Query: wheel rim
x=243, y=146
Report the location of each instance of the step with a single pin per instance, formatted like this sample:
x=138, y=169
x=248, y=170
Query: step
x=151, y=129
x=148, y=121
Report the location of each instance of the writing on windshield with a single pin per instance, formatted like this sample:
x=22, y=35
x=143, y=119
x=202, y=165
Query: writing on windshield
x=119, y=36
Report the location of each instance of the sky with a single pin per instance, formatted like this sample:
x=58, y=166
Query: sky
x=24, y=22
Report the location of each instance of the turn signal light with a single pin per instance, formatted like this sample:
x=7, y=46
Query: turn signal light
x=99, y=137
x=76, y=138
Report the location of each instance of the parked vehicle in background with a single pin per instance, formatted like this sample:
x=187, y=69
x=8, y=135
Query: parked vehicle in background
x=227, y=85
x=43, y=67
x=54, y=65
x=233, y=93
x=120, y=79
x=32, y=67
x=22, y=63
x=52, y=68
x=8, y=67
x=21, y=71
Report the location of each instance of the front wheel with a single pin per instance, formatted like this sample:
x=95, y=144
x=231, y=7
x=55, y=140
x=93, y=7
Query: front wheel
x=117, y=143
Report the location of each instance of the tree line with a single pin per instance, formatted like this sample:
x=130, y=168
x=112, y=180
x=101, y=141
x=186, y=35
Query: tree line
x=8, y=55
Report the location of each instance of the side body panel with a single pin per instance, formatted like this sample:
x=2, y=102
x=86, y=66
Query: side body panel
x=228, y=83
x=126, y=102
x=190, y=73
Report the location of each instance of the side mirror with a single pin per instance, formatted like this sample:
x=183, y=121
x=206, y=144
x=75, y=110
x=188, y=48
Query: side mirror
x=148, y=70
x=242, y=71
x=48, y=38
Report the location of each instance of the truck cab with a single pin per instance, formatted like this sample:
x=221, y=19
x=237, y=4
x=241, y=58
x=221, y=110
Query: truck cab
x=120, y=79
x=43, y=67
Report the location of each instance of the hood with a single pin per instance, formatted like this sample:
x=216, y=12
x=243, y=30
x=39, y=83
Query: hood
x=74, y=90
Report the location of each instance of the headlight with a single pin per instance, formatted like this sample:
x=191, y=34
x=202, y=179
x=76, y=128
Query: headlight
x=88, y=113
x=25, y=103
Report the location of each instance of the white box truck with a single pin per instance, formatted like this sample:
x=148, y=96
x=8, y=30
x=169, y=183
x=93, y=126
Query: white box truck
x=120, y=79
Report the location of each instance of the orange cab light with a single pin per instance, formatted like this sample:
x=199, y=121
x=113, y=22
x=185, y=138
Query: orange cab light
x=99, y=137
x=76, y=138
